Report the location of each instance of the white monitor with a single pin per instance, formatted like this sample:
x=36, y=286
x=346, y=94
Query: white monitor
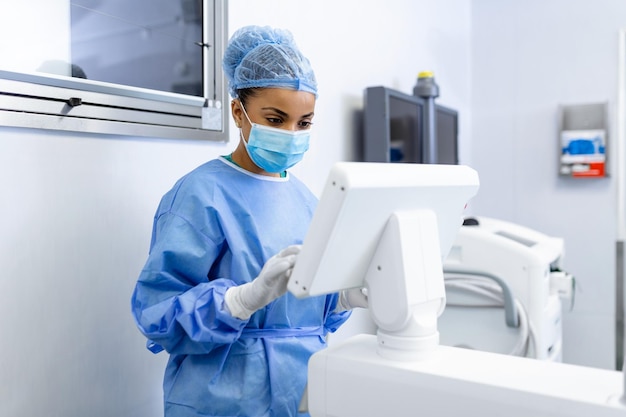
x=355, y=206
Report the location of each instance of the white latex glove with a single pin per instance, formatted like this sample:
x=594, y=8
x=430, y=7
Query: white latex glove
x=243, y=300
x=352, y=298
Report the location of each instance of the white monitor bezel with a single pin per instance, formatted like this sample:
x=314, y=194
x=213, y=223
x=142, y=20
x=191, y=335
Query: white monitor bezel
x=354, y=207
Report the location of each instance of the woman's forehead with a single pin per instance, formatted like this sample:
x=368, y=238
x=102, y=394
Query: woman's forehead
x=288, y=101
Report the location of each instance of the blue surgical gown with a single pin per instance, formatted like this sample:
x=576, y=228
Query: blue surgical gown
x=214, y=229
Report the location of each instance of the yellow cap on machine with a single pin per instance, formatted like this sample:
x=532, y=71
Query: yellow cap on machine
x=425, y=74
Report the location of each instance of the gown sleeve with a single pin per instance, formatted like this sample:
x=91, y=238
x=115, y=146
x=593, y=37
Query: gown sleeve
x=174, y=304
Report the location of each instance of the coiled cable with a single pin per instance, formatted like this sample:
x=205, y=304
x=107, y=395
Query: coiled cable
x=493, y=292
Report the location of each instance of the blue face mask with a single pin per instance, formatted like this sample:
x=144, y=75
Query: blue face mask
x=275, y=150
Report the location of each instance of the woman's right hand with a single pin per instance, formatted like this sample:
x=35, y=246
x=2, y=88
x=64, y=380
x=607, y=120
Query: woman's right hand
x=243, y=300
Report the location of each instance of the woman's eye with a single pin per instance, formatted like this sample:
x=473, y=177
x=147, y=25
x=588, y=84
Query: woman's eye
x=274, y=120
x=305, y=124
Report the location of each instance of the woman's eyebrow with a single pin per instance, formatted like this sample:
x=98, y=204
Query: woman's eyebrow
x=274, y=109
x=284, y=114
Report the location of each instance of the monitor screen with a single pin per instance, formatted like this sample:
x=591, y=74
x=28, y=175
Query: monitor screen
x=447, y=121
x=394, y=128
x=356, y=203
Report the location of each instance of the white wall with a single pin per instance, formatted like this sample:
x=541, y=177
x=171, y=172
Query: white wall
x=77, y=209
x=528, y=58
x=76, y=218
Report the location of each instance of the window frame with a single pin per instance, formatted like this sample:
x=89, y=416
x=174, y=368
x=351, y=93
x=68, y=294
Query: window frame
x=46, y=101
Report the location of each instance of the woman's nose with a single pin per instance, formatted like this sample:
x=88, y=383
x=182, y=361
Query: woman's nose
x=290, y=126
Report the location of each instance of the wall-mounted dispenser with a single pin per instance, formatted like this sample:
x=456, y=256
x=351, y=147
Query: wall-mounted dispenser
x=583, y=136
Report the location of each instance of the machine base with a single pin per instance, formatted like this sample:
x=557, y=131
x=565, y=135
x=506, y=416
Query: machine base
x=351, y=379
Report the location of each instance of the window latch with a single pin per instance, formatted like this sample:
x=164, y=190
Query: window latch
x=74, y=101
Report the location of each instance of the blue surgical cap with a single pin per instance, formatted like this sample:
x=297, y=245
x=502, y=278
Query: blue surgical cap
x=259, y=56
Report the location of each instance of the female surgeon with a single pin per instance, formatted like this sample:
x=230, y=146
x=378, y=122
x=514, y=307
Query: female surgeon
x=225, y=238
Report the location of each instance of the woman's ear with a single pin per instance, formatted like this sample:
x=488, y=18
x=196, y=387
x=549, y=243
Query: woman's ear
x=235, y=109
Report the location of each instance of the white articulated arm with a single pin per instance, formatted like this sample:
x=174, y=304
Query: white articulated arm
x=405, y=285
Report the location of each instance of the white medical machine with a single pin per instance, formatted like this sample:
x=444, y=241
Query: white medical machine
x=387, y=228
x=497, y=263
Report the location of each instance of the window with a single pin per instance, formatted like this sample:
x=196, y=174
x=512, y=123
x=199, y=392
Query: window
x=142, y=67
